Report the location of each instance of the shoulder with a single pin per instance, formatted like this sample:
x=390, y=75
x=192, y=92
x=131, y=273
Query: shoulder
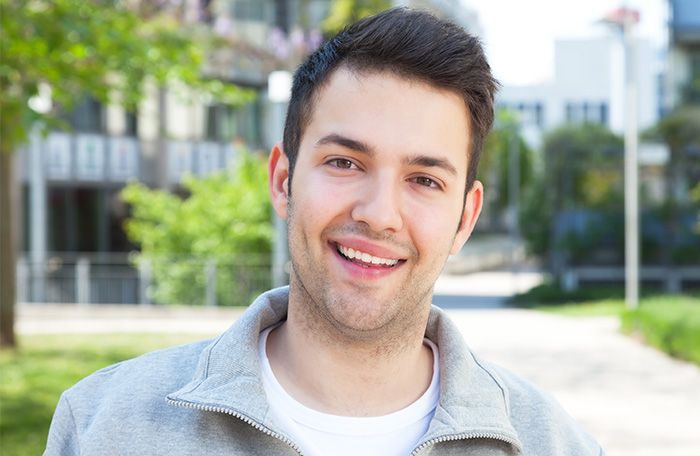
x=539, y=419
x=130, y=394
x=139, y=382
x=165, y=368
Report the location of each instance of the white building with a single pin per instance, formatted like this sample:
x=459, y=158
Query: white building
x=588, y=86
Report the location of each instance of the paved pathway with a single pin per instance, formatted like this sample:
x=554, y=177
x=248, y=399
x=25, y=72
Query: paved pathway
x=635, y=400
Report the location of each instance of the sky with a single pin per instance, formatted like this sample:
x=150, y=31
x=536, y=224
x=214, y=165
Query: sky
x=519, y=34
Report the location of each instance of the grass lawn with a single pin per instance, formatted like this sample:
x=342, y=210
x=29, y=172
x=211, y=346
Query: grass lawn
x=32, y=379
x=668, y=322
x=595, y=301
x=610, y=307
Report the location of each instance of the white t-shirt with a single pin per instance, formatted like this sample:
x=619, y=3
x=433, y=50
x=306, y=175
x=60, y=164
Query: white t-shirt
x=320, y=434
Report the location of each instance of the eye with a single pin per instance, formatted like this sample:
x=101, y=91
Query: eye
x=342, y=163
x=426, y=182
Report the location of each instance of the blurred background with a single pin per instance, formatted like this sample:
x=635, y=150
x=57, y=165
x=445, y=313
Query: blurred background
x=133, y=143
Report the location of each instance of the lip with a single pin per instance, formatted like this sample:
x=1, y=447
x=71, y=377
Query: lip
x=368, y=247
x=358, y=271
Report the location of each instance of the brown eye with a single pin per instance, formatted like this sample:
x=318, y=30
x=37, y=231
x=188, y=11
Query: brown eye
x=426, y=181
x=341, y=163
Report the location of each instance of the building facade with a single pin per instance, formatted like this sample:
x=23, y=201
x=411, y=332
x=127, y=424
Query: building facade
x=684, y=53
x=588, y=86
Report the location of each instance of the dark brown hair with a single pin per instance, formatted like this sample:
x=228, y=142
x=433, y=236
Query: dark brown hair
x=413, y=45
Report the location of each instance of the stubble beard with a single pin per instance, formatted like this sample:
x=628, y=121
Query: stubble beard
x=335, y=317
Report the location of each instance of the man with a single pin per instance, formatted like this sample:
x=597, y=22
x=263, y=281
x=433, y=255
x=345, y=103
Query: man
x=376, y=178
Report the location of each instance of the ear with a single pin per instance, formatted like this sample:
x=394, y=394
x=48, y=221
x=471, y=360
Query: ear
x=278, y=180
x=472, y=209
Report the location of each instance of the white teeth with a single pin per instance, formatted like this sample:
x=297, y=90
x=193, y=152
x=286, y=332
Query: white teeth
x=365, y=257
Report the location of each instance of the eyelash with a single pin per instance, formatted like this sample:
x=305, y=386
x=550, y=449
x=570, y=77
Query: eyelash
x=431, y=183
x=336, y=161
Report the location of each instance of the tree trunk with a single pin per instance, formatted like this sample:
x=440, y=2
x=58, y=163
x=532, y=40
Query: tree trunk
x=8, y=248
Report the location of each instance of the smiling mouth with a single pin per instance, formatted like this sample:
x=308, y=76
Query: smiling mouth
x=365, y=259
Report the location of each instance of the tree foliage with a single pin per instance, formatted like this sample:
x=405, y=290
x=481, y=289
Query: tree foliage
x=73, y=48
x=96, y=47
x=494, y=165
x=224, y=221
x=582, y=169
x=680, y=131
x=345, y=12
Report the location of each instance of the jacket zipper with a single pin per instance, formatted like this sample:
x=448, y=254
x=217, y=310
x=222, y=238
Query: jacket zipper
x=271, y=433
x=240, y=416
x=465, y=436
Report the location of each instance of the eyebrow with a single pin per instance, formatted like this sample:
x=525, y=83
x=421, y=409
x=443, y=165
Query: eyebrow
x=348, y=143
x=364, y=148
x=429, y=162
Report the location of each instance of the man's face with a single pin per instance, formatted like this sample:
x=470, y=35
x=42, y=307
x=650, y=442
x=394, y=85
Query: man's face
x=378, y=192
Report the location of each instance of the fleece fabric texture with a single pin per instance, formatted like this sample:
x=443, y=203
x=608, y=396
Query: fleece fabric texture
x=207, y=398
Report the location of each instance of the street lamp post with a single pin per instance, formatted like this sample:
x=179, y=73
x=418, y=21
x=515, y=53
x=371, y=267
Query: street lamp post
x=631, y=170
x=625, y=19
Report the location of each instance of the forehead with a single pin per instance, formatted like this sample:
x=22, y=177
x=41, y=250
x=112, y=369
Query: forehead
x=390, y=112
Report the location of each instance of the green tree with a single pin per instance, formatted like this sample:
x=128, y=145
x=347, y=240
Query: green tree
x=582, y=169
x=494, y=166
x=345, y=12
x=225, y=223
x=696, y=197
x=73, y=48
x=680, y=131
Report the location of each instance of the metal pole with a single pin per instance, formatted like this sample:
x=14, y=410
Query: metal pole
x=514, y=191
x=280, y=250
x=145, y=276
x=210, y=283
x=37, y=211
x=631, y=173
x=279, y=91
x=82, y=280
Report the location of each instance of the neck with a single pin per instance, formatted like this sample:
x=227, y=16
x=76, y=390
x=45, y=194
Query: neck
x=349, y=376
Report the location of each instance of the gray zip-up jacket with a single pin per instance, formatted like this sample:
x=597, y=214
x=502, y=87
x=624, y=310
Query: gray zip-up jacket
x=207, y=398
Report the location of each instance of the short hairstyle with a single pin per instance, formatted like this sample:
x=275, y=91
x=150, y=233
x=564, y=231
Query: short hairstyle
x=410, y=44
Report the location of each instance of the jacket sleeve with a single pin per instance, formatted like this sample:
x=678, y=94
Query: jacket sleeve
x=63, y=433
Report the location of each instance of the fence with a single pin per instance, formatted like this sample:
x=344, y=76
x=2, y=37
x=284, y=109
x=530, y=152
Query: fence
x=672, y=280
x=131, y=279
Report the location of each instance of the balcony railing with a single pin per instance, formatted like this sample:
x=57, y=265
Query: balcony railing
x=96, y=158
x=113, y=278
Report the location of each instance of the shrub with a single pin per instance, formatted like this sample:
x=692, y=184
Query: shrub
x=670, y=324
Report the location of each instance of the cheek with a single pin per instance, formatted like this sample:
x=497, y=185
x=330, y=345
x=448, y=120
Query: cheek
x=433, y=226
x=316, y=203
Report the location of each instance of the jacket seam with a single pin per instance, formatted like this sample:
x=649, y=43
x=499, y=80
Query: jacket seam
x=207, y=363
x=75, y=426
x=496, y=380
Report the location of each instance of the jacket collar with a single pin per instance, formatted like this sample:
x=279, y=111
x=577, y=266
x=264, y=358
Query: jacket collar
x=473, y=401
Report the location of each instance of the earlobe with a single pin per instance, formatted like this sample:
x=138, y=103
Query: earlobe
x=278, y=180
x=472, y=209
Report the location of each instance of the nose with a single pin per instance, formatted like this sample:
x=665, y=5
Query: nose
x=379, y=205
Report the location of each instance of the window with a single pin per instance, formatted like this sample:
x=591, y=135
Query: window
x=132, y=122
x=591, y=112
x=604, y=113
x=225, y=123
x=251, y=10
x=86, y=116
x=539, y=114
